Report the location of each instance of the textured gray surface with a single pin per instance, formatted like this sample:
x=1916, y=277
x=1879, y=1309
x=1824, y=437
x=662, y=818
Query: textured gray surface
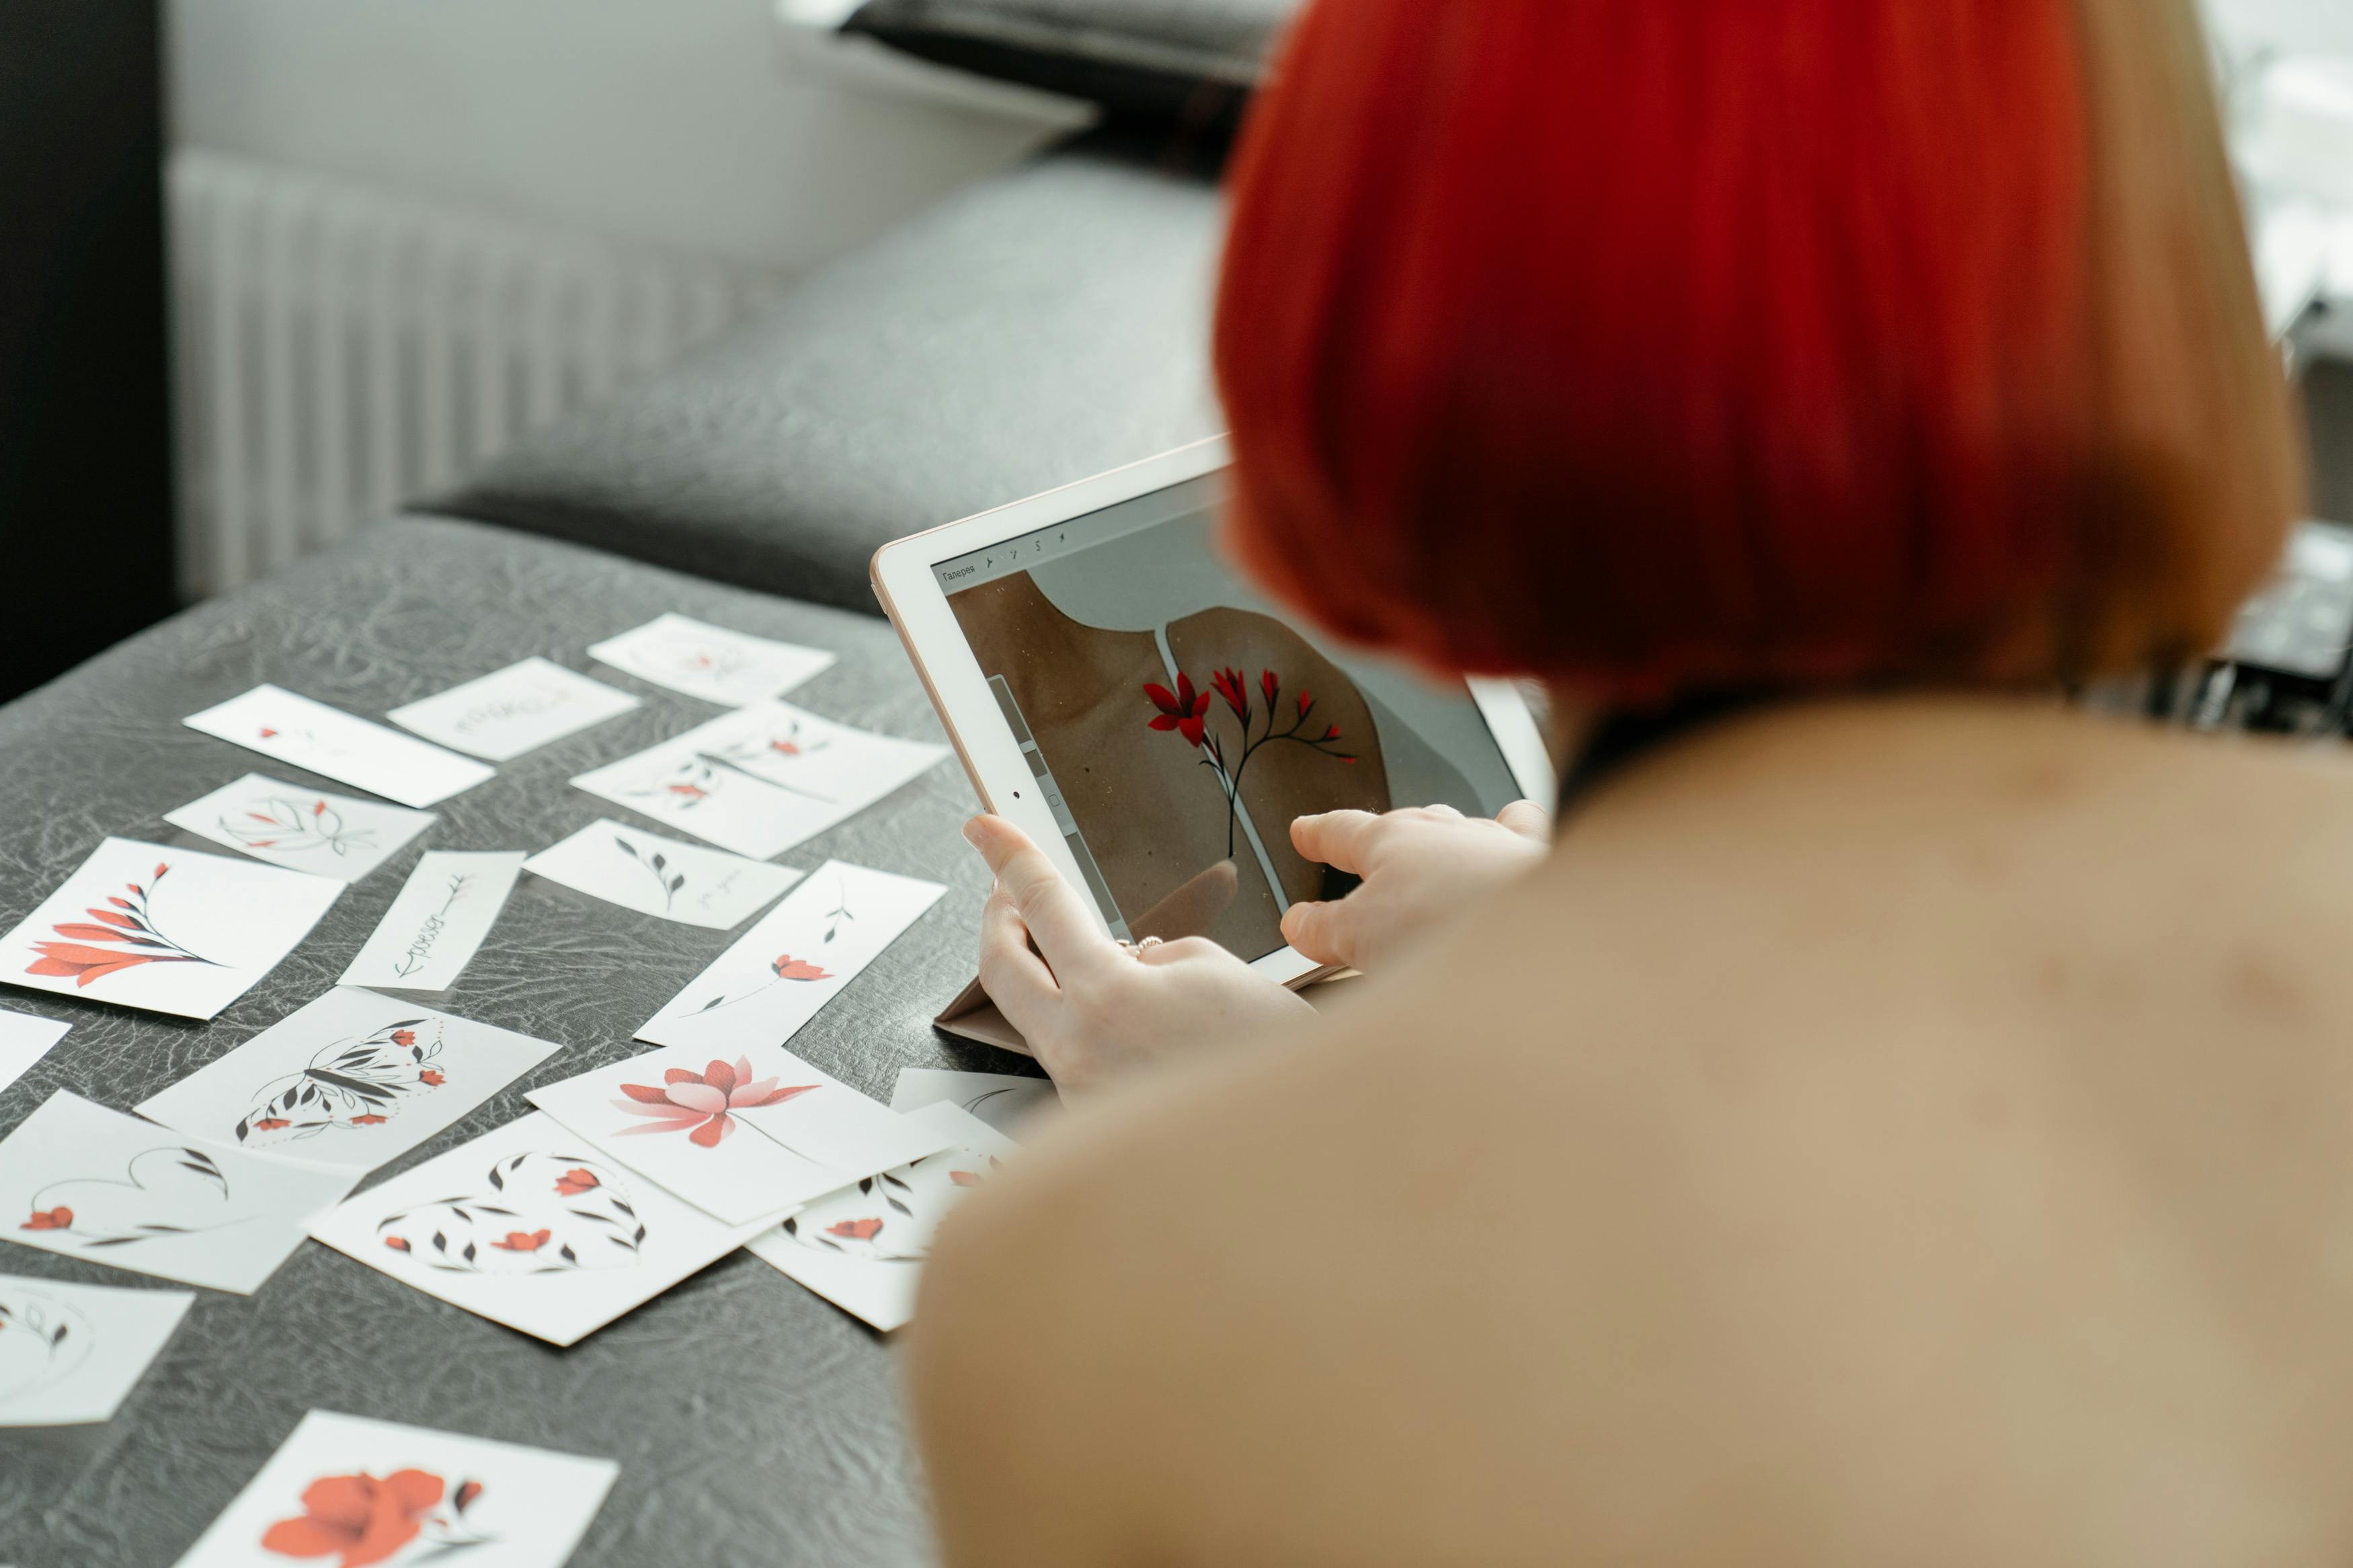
x=754, y=1422
x=1033, y=329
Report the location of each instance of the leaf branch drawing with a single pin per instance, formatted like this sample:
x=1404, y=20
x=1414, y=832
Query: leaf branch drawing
x=657, y=866
x=129, y=924
x=1187, y=711
x=278, y=822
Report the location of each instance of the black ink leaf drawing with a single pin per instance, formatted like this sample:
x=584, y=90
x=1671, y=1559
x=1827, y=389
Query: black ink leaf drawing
x=353, y=1083
x=42, y=1339
x=162, y=1192
x=656, y=865
x=290, y=825
x=560, y=1212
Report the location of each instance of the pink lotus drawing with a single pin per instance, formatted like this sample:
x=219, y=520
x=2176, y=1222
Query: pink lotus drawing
x=702, y=1102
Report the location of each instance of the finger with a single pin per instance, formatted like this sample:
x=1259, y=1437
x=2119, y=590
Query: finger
x=1064, y=929
x=1316, y=930
x=1527, y=819
x=1016, y=979
x=1442, y=809
x=1339, y=839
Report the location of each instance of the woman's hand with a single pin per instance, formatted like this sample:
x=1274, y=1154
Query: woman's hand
x=1419, y=867
x=1091, y=1010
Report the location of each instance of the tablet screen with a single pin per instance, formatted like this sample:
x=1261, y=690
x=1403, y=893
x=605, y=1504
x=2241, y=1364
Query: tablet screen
x=1175, y=721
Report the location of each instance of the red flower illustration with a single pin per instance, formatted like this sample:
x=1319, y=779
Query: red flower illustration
x=577, y=1180
x=788, y=747
x=693, y=792
x=357, y=1520
x=404, y=1036
x=1180, y=710
x=787, y=967
x=431, y=1078
x=270, y=1124
x=855, y=1229
x=702, y=1102
x=1233, y=686
x=368, y=1121
x=133, y=928
x=49, y=1219
x=522, y=1241
x=964, y=1178
x=396, y=1243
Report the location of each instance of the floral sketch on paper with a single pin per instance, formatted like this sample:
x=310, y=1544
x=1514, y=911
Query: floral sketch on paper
x=532, y=1213
x=353, y=1083
x=124, y=935
x=361, y=1518
x=290, y=825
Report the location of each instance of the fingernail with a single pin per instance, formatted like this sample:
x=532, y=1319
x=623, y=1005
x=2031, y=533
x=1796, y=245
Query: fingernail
x=972, y=832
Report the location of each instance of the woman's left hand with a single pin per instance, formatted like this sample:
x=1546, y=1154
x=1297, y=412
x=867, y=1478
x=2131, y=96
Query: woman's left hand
x=1091, y=1010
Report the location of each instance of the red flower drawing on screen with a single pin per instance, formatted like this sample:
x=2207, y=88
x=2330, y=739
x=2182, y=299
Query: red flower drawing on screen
x=361, y=1518
x=128, y=926
x=1188, y=714
x=699, y=1104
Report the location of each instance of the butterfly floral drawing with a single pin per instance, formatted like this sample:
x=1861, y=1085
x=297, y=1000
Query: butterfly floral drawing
x=701, y=1104
x=129, y=928
x=289, y=826
x=361, y=1518
x=354, y=1083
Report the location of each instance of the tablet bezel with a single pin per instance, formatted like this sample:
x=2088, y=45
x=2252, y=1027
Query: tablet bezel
x=911, y=596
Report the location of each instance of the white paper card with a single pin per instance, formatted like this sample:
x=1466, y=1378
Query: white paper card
x=657, y=876
x=711, y=662
x=797, y=959
x=795, y=749
x=863, y=1247
x=72, y=1353
x=345, y=1490
x=1004, y=1101
x=740, y=1137
x=526, y=1227
x=351, y=1079
x=514, y=711
x=446, y=908
x=24, y=1040
x=675, y=783
x=171, y=930
x=334, y=745
x=302, y=830
x=78, y=1179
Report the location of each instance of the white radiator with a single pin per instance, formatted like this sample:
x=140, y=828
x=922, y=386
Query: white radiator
x=342, y=349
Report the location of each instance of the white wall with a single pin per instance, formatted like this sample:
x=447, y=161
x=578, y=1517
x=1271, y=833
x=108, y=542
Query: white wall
x=680, y=122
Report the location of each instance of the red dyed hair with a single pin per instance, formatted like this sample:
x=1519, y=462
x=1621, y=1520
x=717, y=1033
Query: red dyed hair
x=1647, y=346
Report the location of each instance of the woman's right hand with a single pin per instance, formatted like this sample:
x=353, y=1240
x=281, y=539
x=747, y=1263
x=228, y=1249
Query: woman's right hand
x=1420, y=867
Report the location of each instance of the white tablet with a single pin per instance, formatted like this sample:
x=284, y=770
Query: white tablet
x=1154, y=723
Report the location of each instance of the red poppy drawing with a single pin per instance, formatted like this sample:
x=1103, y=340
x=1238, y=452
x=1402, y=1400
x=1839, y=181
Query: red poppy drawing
x=59, y=1218
x=430, y=1079
x=787, y=967
x=698, y=1103
x=522, y=1241
x=404, y=1036
x=359, y=1519
x=130, y=923
x=855, y=1229
x=1188, y=714
x=577, y=1180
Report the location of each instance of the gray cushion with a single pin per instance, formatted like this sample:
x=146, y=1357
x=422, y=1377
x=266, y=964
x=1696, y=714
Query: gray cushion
x=1194, y=61
x=1033, y=329
x=752, y=1422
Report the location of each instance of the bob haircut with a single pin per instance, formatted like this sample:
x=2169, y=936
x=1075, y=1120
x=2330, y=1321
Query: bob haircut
x=1674, y=344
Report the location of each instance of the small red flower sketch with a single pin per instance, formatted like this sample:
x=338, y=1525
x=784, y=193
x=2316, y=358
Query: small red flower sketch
x=522, y=1241
x=1188, y=714
x=577, y=1180
x=398, y=1244
x=279, y=822
x=272, y=1124
x=699, y=1104
x=787, y=967
x=855, y=1229
x=59, y=1219
x=430, y=1079
x=964, y=1178
x=360, y=1519
x=690, y=783
x=369, y=1120
x=404, y=1036
x=130, y=923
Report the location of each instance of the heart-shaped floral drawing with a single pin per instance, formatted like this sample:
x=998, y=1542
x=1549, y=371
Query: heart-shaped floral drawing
x=42, y=1339
x=163, y=1192
x=533, y=1212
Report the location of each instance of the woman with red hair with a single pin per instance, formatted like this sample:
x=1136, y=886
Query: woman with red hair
x=1902, y=1120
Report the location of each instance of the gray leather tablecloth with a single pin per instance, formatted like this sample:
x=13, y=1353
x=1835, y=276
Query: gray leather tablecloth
x=754, y=1422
